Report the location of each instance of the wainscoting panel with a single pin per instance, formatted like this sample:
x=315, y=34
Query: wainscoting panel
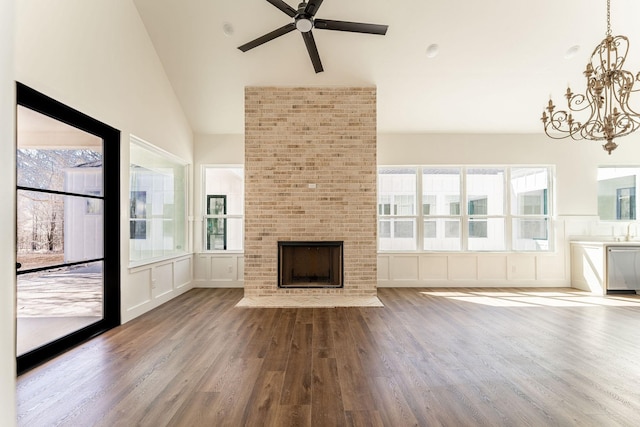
x=473, y=270
x=219, y=270
x=463, y=268
x=404, y=267
x=492, y=268
x=182, y=272
x=434, y=268
x=138, y=291
x=522, y=267
x=162, y=280
x=148, y=286
x=201, y=268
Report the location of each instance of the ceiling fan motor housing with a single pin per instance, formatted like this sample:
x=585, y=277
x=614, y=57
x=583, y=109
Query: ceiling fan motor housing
x=304, y=21
x=304, y=25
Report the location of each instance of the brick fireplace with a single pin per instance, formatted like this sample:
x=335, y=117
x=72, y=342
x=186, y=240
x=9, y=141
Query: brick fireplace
x=310, y=176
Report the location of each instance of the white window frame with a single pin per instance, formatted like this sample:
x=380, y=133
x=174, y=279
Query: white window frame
x=507, y=215
x=394, y=217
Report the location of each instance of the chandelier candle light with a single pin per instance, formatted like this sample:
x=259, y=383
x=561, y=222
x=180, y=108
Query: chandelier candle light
x=606, y=99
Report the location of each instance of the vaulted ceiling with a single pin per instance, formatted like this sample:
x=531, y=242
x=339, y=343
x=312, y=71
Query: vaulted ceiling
x=497, y=61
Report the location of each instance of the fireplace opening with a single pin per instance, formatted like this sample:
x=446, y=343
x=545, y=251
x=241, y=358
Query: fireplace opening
x=310, y=265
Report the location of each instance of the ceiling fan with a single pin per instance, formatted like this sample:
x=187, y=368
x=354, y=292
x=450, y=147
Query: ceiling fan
x=304, y=20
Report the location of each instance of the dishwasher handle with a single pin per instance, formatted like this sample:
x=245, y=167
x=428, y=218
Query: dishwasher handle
x=624, y=249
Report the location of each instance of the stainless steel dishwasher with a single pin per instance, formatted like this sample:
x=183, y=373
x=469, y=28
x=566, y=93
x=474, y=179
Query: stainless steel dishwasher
x=623, y=268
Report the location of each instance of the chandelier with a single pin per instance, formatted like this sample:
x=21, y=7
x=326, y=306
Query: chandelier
x=605, y=102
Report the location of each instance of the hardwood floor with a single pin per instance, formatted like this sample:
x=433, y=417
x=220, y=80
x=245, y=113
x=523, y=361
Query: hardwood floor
x=430, y=357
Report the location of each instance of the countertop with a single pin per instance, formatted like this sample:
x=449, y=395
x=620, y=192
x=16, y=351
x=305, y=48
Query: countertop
x=606, y=242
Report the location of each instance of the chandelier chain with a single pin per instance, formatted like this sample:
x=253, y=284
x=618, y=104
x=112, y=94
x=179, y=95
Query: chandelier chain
x=608, y=17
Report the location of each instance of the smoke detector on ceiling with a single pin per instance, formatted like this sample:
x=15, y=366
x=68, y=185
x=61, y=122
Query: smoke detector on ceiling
x=227, y=29
x=432, y=50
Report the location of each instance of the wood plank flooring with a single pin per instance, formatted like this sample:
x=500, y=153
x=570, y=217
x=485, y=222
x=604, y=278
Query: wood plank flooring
x=430, y=357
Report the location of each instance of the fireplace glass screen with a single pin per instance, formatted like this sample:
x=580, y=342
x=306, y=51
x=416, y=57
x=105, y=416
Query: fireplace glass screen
x=310, y=265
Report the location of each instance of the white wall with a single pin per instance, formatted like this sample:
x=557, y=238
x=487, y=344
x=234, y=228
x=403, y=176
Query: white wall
x=7, y=218
x=96, y=57
x=575, y=162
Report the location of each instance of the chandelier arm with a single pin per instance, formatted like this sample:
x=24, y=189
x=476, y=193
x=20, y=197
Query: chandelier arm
x=579, y=102
x=560, y=126
x=626, y=113
x=590, y=102
x=593, y=130
x=626, y=126
x=624, y=81
x=630, y=115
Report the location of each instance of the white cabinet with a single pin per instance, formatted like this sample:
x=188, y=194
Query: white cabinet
x=588, y=266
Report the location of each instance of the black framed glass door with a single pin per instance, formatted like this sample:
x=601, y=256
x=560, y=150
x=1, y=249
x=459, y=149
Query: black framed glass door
x=67, y=228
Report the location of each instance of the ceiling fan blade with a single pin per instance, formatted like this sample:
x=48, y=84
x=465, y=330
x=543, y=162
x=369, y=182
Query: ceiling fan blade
x=312, y=7
x=313, y=51
x=284, y=7
x=354, y=27
x=268, y=37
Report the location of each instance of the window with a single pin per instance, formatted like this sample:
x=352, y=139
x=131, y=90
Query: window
x=494, y=216
x=485, y=208
x=441, y=222
x=617, y=193
x=157, y=203
x=530, y=218
x=397, y=229
x=224, y=208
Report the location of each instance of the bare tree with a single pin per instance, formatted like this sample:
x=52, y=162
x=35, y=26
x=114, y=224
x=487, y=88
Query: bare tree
x=41, y=214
